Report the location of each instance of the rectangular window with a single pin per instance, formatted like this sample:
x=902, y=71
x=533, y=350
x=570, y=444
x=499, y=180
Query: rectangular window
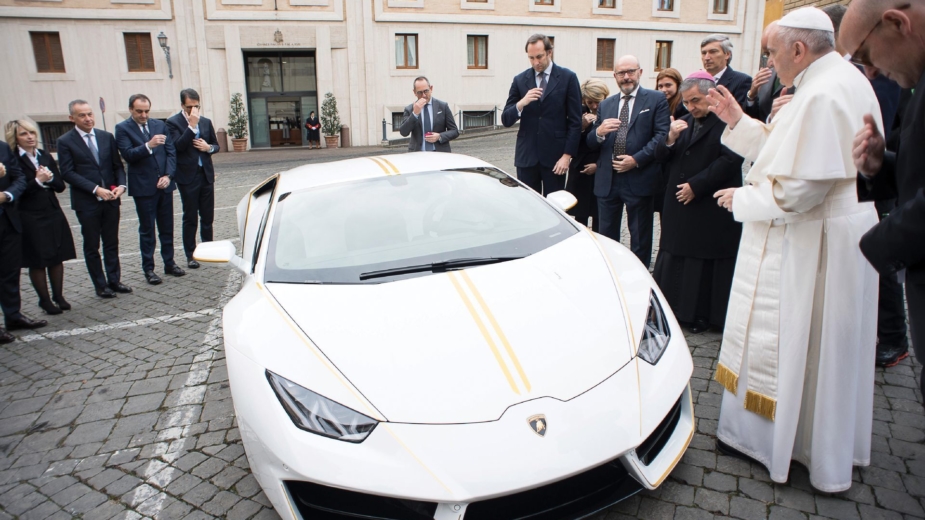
x=406, y=51
x=609, y=4
x=50, y=133
x=662, y=55
x=666, y=5
x=480, y=119
x=47, y=49
x=544, y=2
x=396, y=120
x=605, y=49
x=477, y=52
x=720, y=6
x=138, y=52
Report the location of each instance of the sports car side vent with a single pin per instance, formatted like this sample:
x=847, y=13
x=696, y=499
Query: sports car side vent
x=315, y=501
x=651, y=447
x=576, y=497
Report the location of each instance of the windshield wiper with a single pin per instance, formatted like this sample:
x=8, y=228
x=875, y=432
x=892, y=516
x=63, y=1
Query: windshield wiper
x=438, y=267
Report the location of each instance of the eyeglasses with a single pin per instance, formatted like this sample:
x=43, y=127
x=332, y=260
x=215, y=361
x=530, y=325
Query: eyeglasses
x=861, y=56
x=624, y=73
x=422, y=92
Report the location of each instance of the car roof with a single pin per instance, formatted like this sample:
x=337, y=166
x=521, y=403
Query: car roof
x=320, y=174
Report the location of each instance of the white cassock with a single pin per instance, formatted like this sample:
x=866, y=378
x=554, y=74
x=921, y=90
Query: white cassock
x=797, y=358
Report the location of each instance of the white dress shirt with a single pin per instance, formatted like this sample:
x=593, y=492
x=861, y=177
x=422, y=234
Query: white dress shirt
x=92, y=134
x=720, y=74
x=631, y=101
x=429, y=106
x=35, y=162
x=538, y=77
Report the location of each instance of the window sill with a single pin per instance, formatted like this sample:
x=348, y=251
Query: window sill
x=51, y=76
x=485, y=6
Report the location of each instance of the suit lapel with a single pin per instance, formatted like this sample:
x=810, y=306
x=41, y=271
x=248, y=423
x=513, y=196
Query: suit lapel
x=552, y=83
x=707, y=125
x=83, y=145
x=637, y=107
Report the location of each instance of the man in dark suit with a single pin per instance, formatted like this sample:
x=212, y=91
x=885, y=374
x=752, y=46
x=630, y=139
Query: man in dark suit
x=546, y=99
x=12, y=185
x=195, y=141
x=628, y=128
x=876, y=33
x=428, y=121
x=89, y=162
x=152, y=165
x=699, y=240
x=716, y=53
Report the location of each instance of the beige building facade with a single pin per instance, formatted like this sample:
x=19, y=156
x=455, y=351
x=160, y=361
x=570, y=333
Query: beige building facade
x=284, y=55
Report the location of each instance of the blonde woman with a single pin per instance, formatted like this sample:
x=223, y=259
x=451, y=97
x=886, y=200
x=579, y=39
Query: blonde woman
x=46, y=235
x=580, y=182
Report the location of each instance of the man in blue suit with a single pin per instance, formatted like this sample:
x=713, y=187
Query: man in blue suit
x=546, y=99
x=152, y=163
x=716, y=53
x=628, y=128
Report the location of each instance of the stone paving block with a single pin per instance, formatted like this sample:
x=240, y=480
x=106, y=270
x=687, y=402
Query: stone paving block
x=106, y=510
x=183, y=483
x=837, y=508
x=874, y=513
x=135, y=424
x=882, y=478
x=747, y=509
x=650, y=509
x=209, y=468
x=200, y=494
x=24, y=406
x=142, y=403
x=221, y=503
x=70, y=494
x=90, y=432
x=248, y=487
x=713, y=501
x=785, y=513
x=794, y=499
x=228, y=476
x=40, y=511
x=42, y=441
x=898, y=501
x=123, y=485
x=89, y=501
x=720, y=482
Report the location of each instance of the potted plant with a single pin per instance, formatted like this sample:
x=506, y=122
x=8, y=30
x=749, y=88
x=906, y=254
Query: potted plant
x=330, y=120
x=237, y=123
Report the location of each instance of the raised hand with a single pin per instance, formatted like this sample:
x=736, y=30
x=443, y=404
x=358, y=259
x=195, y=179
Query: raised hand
x=608, y=125
x=868, y=147
x=780, y=103
x=674, y=131
x=532, y=95
x=725, y=106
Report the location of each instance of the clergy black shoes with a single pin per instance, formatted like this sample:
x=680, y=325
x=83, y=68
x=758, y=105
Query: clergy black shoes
x=174, y=270
x=24, y=322
x=729, y=451
x=120, y=288
x=699, y=326
x=105, y=292
x=152, y=278
x=192, y=264
x=6, y=337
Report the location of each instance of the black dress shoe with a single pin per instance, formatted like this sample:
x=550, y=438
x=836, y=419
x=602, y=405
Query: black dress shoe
x=48, y=307
x=24, y=322
x=890, y=355
x=699, y=326
x=105, y=292
x=120, y=288
x=174, y=270
x=729, y=451
x=192, y=264
x=6, y=337
x=62, y=303
x=152, y=278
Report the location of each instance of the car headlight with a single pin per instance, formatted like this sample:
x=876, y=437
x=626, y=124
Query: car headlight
x=317, y=414
x=656, y=334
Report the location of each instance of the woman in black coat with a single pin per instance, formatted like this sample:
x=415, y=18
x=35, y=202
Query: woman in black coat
x=699, y=240
x=314, y=130
x=580, y=180
x=46, y=235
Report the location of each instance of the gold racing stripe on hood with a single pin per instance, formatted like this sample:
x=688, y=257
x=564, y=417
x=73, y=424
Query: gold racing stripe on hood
x=389, y=164
x=381, y=165
x=484, y=330
x=497, y=327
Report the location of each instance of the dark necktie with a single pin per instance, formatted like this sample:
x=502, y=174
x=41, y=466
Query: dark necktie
x=144, y=130
x=619, y=143
x=698, y=124
x=428, y=128
x=543, y=84
x=93, y=150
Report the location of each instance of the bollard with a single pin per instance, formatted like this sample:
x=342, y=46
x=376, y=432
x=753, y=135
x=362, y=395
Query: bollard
x=384, y=136
x=222, y=137
x=344, y=136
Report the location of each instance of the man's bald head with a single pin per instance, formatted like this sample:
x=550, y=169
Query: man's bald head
x=885, y=36
x=766, y=35
x=627, y=72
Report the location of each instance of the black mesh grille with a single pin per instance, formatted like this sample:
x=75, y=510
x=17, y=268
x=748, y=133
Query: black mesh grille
x=315, y=501
x=651, y=447
x=576, y=497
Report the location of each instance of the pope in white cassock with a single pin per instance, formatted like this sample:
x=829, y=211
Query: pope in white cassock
x=797, y=358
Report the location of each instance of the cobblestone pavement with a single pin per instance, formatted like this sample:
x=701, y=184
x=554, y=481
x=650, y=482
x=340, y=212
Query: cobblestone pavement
x=121, y=408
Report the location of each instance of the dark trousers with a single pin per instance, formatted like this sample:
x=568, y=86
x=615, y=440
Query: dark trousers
x=102, y=222
x=891, y=310
x=155, y=210
x=639, y=212
x=198, y=198
x=541, y=179
x=10, y=265
x=915, y=293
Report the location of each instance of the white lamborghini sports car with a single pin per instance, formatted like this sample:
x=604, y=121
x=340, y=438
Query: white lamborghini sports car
x=421, y=336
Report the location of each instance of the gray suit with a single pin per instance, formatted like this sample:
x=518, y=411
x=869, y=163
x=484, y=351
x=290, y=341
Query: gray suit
x=443, y=123
x=761, y=108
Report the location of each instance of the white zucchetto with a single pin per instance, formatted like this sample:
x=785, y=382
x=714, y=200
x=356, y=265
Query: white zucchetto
x=807, y=18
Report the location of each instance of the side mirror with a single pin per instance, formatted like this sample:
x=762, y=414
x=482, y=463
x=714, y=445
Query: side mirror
x=562, y=200
x=221, y=252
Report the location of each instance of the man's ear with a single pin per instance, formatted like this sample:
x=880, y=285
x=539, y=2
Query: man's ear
x=896, y=20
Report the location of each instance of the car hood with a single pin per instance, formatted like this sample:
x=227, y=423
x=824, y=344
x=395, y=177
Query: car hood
x=463, y=346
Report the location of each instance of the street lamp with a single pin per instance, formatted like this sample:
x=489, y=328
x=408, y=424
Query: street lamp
x=162, y=39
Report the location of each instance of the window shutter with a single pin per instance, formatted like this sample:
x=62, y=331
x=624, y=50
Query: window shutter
x=131, y=52
x=146, y=53
x=139, y=52
x=46, y=46
x=57, y=55
x=42, y=63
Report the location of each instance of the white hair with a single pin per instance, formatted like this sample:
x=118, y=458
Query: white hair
x=817, y=41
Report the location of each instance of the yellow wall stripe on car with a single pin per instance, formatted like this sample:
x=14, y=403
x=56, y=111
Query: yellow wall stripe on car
x=381, y=165
x=497, y=327
x=484, y=330
x=389, y=163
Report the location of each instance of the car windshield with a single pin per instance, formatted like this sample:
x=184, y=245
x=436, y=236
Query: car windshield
x=402, y=226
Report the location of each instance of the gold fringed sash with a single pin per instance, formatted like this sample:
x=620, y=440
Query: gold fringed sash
x=727, y=378
x=760, y=404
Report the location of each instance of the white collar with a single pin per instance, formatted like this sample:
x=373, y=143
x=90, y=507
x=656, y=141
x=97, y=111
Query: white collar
x=23, y=152
x=83, y=135
x=548, y=70
x=632, y=95
x=717, y=76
